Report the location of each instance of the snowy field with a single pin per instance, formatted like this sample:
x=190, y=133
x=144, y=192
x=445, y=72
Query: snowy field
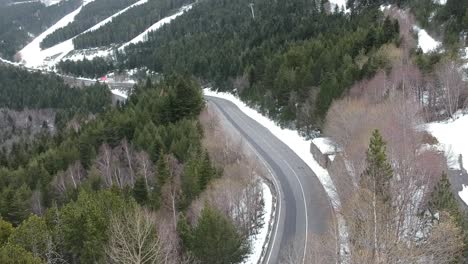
x=452, y=135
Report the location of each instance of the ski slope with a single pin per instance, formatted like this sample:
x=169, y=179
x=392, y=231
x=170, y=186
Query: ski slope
x=143, y=36
x=32, y=55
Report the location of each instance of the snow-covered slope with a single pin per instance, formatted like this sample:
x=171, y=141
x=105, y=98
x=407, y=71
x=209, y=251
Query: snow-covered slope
x=34, y=57
x=156, y=26
x=425, y=41
x=51, y=2
x=453, y=136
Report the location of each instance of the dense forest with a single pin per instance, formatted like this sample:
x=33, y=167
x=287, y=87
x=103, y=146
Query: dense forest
x=129, y=24
x=20, y=89
x=93, y=68
x=17, y=23
x=90, y=15
x=291, y=58
x=74, y=193
x=449, y=21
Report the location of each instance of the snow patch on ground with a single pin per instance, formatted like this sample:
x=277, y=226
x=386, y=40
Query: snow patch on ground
x=425, y=41
x=143, y=36
x=325, y=145
x=50, y=2
x=452, y=135
x=258, y=242
x=340, y=3
x=464, y=194
x=9, y=62
x=89, y=54
x=119, y=93
x=301, y=147
x=440, y=2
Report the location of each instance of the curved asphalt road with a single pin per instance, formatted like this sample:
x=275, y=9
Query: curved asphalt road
x=304, y=207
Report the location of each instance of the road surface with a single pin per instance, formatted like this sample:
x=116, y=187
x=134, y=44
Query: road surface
x=304, y=205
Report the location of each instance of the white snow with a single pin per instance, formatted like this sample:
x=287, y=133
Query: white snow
x=143, y=36
x=440, y=2
x=22, y=2
x=9, y=62
x=119, y=93
x=34, y=57
x=325, y=145
x=50, y=2
x=452, y=135
x=425, y=41
x=291, y=138
x=88, y=54
x=464, y=194
x=301, y=147
x=340, y=3
x=258, y=242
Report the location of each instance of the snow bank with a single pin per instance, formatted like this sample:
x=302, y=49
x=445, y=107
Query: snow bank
x=452, y=134
x=258, y=242
x=142, y=37
x=291, y=138
x=464, y=194
x=325, y=145
x=425, y=41
x=301, y=147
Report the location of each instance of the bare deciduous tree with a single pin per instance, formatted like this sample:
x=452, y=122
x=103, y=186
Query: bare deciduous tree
x=133, y=238
x=451, y=85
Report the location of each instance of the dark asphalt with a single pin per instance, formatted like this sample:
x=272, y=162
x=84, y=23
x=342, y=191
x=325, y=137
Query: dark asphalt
x=304, y=205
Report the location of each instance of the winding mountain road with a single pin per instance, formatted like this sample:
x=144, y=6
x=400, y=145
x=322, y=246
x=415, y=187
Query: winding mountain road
x=303, y=207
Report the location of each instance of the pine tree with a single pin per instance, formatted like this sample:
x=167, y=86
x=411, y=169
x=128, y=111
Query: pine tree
x=376, y=179
x=206, y=172
x=162, y=169
x=442, y=198
x=379, y=172
x=215, y=239
x=140, y=191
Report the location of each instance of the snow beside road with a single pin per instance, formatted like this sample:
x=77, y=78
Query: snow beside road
x=143, y=36
x=301, y=147
x=425, y=41
x=291, y=138
x=452, y=135
x=258, y=242
x=325, y=145
x=464, y=194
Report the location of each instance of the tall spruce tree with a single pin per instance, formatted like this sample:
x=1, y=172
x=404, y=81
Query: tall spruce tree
x=379, y=172
x=140, y=191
